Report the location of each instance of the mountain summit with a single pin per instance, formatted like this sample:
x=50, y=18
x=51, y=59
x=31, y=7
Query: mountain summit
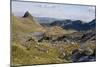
x=27, y=15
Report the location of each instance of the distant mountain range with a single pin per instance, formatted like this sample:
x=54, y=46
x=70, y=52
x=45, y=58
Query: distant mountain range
x=64, y=23
x=77, y=24
x=67, y=23
x=46, y=19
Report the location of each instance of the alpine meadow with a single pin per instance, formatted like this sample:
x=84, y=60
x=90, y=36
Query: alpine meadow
x=52, y=33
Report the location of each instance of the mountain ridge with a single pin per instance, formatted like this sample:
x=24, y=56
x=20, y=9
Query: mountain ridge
x=77, y=24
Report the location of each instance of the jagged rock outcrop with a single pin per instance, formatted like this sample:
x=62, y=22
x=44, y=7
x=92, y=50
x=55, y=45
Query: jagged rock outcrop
x=28, y=15
x=88, y=36
x=83, y=55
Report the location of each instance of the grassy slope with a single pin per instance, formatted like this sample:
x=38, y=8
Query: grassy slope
x=58, y=31
x=20, y=27
x=34, y=56
x=24, y=26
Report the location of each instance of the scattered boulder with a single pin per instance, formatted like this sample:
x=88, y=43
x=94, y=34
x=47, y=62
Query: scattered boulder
x=43, y=50
x=88, y=36
x=38, y=36
x=83, y=55
x=88, y=51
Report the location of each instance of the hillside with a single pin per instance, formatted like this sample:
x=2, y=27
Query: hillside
x=33, y=43
x=21, y=28
x=25, y=25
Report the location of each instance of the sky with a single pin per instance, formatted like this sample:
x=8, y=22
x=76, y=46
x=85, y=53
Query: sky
x=52, y=10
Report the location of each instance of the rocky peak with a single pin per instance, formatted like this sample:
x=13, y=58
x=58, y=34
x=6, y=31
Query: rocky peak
x=27, y=15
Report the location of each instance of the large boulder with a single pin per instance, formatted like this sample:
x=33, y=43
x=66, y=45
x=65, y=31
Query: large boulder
x=81, y=55
x=38, y=35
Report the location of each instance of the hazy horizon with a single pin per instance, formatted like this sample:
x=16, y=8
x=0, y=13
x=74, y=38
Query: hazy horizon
x=60, y=11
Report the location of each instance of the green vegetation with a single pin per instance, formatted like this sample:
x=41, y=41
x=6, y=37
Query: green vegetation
x=36, y=54
x=26, y=52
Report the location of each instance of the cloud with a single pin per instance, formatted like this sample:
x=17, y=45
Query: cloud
x=91, y=9
x=45, y=5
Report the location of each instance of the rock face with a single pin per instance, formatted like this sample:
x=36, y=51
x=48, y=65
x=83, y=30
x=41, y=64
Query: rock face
x=89, y=36
x=28, y=15
x=76, y=37
x=38, y=36
x=78, y=56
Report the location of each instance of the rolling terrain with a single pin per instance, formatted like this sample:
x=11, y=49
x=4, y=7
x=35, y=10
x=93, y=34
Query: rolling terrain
x=58, y=42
